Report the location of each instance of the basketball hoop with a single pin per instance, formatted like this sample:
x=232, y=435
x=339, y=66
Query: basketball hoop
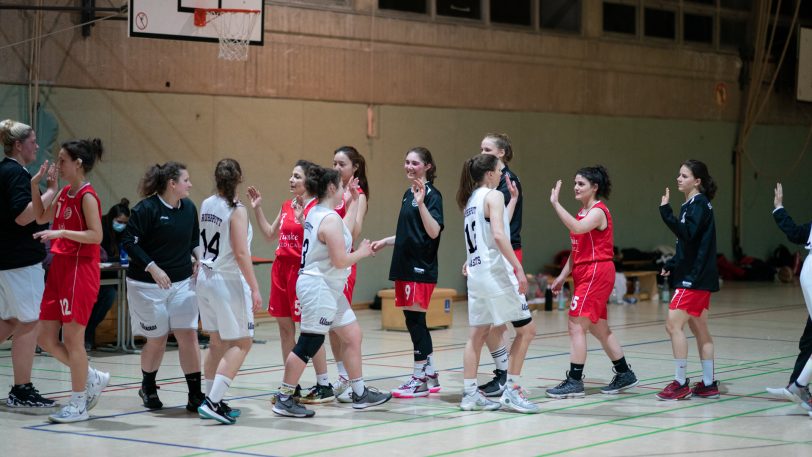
x=233, y=29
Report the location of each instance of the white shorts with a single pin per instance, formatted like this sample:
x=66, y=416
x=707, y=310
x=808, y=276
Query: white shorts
x=225, y=304
x=21, y=293
x=323, y=307
x=155, y=311
x=497, y=310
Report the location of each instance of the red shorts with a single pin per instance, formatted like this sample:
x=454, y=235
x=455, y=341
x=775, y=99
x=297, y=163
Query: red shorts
x=349, y=286
x=283, y=301
x=408, y=293
x=71, y=289
x=518, y=253
x=593, y=286
x=692, y=301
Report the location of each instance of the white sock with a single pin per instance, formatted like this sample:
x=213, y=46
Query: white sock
x=430, y=365
x=680, y=367
x=419, y=367
x=219, y=388
x=322, y=379
x=357, y=386
x=514, y=380
x=207, y=383
x=79, y=399
x=469, y=386
x=341, y=370
x=806, y=373
x=707, y=372
x=500, y=358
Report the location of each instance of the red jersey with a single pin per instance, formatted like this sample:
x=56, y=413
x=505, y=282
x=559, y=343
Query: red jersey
x=595, y=245
x=69, y=216
x=341, y=209
x=291, y=232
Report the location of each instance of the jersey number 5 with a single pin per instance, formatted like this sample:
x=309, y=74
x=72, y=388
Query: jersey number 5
x=471, y=240
x=212, y=246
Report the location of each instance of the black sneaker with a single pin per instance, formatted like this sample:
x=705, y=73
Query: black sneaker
x=26, y=396
x=495, y=386
x=290, y=407
x=194, y=402
x=318, y=394
x=569, y=388
x=370, y=397
x=209, y=410
x=150, y=399
x=232, y=412
x=620, y=382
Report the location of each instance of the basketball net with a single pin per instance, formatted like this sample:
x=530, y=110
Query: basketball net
x=233, y=29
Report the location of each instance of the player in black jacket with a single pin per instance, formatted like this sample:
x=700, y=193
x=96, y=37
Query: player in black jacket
x=798, y=387
x=692, y=271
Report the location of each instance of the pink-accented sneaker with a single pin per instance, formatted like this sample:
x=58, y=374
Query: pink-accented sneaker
x=675, y=391
x=703, y=391
x=413, y=388
x=433, y=382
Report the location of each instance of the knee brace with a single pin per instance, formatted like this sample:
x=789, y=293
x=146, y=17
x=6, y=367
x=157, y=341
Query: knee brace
x=421, y=338
x=308, y=345
x=522, y=323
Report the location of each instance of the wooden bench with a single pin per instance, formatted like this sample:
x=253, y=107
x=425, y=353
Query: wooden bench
x=439, y=315
x=646, y=279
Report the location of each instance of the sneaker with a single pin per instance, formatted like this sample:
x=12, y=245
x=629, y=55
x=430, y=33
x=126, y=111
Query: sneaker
x=194, y=402
x=478, y=402
x=781, y=392
x=801, y=395
x=232, y=413
x=318, y=394
x=620, y=382
x=150, y=399
x=413, y=388
x=703, y=391
x=342, y=390
x=515, y=398
x=297, y=393
x=290, y=407
x=27, y=396
x=569, y=388
x=433, y=381
x=495, y=386
x=675, y=391
x=95, y=385
x=209, y=410
x=70, y=413
x=370, y=397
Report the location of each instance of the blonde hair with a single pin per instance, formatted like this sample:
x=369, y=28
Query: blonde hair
x=12, y=131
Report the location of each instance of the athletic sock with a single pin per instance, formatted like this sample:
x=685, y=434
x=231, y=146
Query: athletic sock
x=286, y=391
x=79, y=399
x=806, y=373
x=430, y=365
x=707, y=372
x=500, y=358
x=680, y=369
x=207, y=383
x=193, y=381
x=576, y=371
x=469, y=386
x=323, y=379
x=341, y=370
x=357, y=386
x=514, y=380
x=620, y=365
x=219, y=388
x=148, y=381
x=419, y=367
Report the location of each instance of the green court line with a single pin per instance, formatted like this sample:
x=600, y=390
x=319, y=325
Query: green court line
x=731, y=435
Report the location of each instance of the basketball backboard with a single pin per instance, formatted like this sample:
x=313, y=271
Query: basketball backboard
x=174, y=19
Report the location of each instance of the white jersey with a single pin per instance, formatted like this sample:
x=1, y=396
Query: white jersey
x=215, y=235
x=315, y=255
x=489, y=273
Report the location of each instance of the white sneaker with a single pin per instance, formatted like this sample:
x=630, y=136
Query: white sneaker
x=413, y=388
x=478, y=402
x=781, y=392
x=801, y=395
x=342, y=390
x=514, y=398
x=95, y=386
x=70, y=413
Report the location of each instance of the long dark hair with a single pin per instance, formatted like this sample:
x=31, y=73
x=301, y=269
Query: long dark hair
x=319, y=179
x=227, y=176
x=473, y=171
x=358, y=161
x=119, y=209
x=597, y=175
x=88, y=151
x=502, y=141
x=700, y=171
x=425, y=157
x=158, y=176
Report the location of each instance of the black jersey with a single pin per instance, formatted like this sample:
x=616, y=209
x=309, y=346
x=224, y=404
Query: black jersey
x=516, y=221
x=694, y=264
x=798, y=234
x=161, y=234
x=415, y=255
x=17, y=244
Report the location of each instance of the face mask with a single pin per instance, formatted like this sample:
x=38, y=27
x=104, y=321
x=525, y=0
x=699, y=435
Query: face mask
x=118, y=226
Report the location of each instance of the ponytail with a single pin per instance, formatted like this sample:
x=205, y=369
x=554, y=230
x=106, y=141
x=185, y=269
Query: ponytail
x=700, y=171
x=319, y=179
x=158, y=176
x=227, y=176
x=88, y=151
x=471, y=176
x=358, y=161
x=599, y=176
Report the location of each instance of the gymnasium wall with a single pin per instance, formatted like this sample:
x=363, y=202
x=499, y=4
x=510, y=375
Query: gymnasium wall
x=268, y=135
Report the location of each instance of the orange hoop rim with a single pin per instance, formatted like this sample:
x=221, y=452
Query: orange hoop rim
x=201, y=14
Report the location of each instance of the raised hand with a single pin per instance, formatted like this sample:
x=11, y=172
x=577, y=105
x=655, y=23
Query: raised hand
x=665, y=198
x=298, y=208
x=419, y=191
x=555, y=192
x=254, y=197
x=352, y=187
x=43, y=171
x=779, y=195
x=512, y=187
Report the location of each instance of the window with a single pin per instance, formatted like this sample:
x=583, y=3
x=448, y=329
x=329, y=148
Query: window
x=511, y=12
x=697, y=28
x=459, y=8
x=412, y=6
x=732, y=33
x=618, y=18
x=660, y=23
x=563, y=15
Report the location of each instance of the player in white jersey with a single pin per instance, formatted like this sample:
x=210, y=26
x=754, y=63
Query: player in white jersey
x=326, y=262
x=496, y=282
x=227, y=289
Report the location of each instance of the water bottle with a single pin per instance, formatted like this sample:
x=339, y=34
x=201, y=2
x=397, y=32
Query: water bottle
x=123, y=258
x=548, y=299
x=666, y=295
x=562, y=297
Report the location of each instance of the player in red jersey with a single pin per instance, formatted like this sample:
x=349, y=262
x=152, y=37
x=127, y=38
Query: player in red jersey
x=73, y=279
x=593, y=275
